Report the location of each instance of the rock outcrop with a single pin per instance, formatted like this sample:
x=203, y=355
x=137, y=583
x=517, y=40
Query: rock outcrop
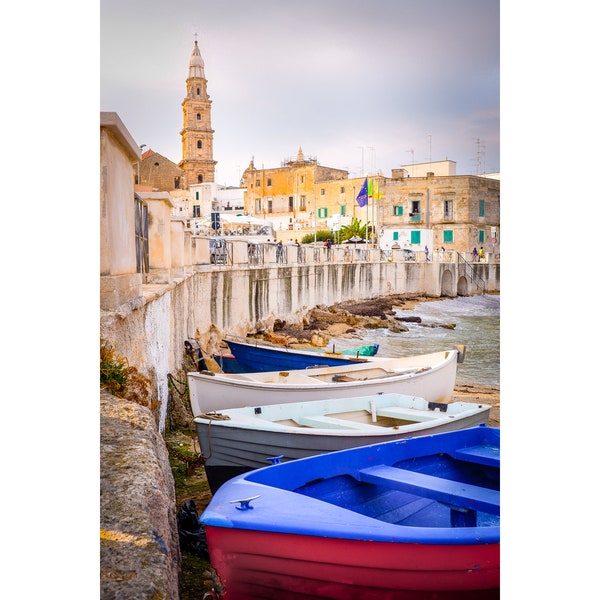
x=139, y=544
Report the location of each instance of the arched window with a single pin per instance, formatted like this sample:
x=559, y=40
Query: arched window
x=198, y=117
x=199, y=178
x=199, y=144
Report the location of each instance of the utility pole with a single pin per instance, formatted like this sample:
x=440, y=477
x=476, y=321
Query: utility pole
x=138, y=165
x=429, y=136
x=362, y=160
x=373, y=160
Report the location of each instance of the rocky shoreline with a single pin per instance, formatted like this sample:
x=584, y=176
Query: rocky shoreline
x=344, y=319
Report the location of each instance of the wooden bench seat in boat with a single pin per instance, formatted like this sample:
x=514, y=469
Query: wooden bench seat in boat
x=453, y=493
x=483, y=455
x=325, y=422
x=374, y=374
x=398, y=412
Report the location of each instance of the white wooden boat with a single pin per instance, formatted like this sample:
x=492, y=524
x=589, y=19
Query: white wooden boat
x=430, y=376
x=242, y=439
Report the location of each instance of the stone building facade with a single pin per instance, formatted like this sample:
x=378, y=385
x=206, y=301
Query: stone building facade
x=460, y=211
x=457, y=212
x=159, y=173
x=287, y=195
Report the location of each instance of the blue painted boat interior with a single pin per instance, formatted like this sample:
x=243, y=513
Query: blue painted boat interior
x=441, y=488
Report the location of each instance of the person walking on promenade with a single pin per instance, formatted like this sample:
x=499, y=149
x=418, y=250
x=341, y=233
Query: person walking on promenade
x=481, y=254
x=474, y=253
x=426, y=253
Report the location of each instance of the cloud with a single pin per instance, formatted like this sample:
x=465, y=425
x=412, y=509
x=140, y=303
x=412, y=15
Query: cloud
x=330, y=74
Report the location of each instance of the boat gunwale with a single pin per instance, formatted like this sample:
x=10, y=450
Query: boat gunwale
x=370, y=429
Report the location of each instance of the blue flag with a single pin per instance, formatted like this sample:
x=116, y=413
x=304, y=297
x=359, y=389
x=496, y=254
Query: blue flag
x=363, y=195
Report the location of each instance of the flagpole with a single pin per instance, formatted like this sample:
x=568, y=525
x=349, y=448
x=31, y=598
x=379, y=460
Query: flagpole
x=373, y=216
x=315, y=193
x=367, y=225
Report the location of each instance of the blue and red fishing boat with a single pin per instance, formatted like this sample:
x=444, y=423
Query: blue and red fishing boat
x=413, y=518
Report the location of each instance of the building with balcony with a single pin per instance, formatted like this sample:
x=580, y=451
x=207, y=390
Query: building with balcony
x=457, y=212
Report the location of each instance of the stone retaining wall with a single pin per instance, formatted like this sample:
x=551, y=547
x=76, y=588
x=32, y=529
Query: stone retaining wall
x=139, y=542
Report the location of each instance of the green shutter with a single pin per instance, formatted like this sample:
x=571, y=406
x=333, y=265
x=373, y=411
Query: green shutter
x=481, y=236
x=448, y=236
x=415, y=237
x=482, y=208
x=396, y=236
x=397, y=211
x=343, y=210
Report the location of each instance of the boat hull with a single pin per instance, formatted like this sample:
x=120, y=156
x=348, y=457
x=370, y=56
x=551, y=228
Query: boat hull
x=257, y=564
x=433, y=378
x=253, y=358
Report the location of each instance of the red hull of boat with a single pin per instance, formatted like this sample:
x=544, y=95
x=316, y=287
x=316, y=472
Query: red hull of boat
x=255, y=564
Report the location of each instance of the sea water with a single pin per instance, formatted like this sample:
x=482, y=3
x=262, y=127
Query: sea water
x=476, y=321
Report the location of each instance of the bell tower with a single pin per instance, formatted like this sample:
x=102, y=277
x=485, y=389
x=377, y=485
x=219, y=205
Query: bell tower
x=197, y=135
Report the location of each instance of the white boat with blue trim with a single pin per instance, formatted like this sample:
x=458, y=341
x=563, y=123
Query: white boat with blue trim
x=431, y=376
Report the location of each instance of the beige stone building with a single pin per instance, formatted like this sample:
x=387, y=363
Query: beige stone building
x=289, y=195
x=156, y=173
x=457, y=212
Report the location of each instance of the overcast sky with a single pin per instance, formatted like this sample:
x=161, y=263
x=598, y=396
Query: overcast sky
x=361, y=85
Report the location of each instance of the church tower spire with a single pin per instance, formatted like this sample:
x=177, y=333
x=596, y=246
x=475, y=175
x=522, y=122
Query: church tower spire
x=197, y=135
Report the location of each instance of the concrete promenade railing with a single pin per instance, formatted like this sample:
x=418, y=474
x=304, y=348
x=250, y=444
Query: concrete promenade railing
x=231, y=252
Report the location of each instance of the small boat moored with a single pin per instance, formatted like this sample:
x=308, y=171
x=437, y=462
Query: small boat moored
x=251, y=357
x=431, y=376
x=237, y=440
x=412, y=518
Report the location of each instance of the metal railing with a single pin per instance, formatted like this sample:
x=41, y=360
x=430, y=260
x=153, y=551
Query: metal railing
x=470, y=271
x=142, y=252
x=281, y=257
x=256, y=254
x=262, y=253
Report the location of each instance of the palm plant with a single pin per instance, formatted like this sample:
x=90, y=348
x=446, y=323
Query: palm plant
x=355, y=228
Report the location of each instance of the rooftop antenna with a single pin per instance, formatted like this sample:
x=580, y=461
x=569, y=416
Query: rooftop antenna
x=429, y=136
x=480, y=152
x=362, y=160
x=373, y=159
x=412, y=152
